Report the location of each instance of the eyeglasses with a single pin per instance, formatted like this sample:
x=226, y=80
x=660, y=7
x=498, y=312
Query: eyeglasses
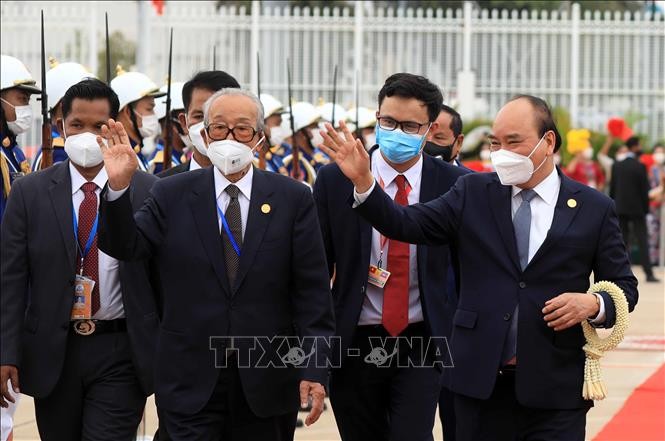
x=410, y=127
x=219, y=132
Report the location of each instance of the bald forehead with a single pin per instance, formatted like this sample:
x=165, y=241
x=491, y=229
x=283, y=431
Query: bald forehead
x=233, y=108
x=517, y=116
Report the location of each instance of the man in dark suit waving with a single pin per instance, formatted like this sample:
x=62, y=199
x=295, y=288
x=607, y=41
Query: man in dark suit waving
x=388, y=401
x=256, y=271
x=86, y=356
x=528, y=239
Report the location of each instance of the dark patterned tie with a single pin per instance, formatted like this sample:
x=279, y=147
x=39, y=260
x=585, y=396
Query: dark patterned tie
x=87, y=215
x=234, y=220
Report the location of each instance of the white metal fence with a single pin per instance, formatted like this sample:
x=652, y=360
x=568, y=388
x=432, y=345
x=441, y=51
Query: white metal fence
x=595, y=65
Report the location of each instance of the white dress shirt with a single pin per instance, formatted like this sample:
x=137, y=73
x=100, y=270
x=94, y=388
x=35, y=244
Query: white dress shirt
x=371, y=312
x=110, y=290
x=223, y=198
x=542, y=215
x=193, y=165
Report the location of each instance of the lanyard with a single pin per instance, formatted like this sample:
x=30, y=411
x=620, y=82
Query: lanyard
x=225, y=224
x=383, y=239
x=91, y=237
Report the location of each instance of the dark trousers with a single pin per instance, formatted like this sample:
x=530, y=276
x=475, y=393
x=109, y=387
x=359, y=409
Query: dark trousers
x=228, y=417
x=502, y=418
x=98, y=396
x=636, y=227
x=447, y=413
x=372, y=402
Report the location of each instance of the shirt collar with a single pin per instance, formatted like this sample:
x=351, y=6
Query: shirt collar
x=388, y=174
x=548, y=189
x=193, y=165
x=244, y=184
x=78, y=180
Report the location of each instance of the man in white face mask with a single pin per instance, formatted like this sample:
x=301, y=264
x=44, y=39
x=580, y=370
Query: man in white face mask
x=528, y=239
x=253, y=267
x=195, y=93
x=16, y=118
x=78, y=327
x=137, y=93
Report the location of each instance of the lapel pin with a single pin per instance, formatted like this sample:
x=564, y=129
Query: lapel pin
x=572, y=203
x=265, y=208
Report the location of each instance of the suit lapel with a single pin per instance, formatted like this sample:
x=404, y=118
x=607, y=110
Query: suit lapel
x=499, y=200
x=60, y=193
x=203, y=205
x=563, y=216
x=257, y=222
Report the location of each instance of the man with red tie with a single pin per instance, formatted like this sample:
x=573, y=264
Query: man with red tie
x=385, y=288
x=78, y=327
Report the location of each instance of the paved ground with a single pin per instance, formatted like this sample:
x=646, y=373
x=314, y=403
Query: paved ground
x=623, y=370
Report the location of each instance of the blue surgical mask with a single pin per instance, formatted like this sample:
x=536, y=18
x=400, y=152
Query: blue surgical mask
x=397, y=146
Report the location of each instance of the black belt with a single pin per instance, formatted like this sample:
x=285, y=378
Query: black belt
x=94, y=327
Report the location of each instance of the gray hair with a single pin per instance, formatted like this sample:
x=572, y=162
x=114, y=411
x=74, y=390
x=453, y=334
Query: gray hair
x=234, y=91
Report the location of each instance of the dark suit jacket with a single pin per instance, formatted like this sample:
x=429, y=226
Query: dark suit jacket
x=476, y=213
x=348, y=238
x=38, y=267
x=180, y=168
x=281, y=288
x=630, y=187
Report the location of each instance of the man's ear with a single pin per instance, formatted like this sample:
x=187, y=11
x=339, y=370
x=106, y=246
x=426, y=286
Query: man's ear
x=182, y=119
x=460, y=142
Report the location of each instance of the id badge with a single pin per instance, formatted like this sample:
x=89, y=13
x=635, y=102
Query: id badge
x=377, y=276
x=82, y=306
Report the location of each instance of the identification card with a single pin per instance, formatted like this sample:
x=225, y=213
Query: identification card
x=82, y=307
x=377, y=276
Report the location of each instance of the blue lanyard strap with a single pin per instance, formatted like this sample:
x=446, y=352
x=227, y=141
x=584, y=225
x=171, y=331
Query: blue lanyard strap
x=228, y=231
x=91, y=237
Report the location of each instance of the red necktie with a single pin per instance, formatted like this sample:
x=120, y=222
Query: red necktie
x=87, y=215
x=395, y=317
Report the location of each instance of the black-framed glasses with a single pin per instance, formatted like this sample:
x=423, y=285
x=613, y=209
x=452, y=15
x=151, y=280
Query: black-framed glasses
x=219, y=132
x=390, y=124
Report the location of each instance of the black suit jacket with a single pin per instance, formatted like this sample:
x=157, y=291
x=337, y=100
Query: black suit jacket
x=281, y=288
x=38, y=266
x=584, y=238
x=630, y=187
x=348, y=238
x=180, y=168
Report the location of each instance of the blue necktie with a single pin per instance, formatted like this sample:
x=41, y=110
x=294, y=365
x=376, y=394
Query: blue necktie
x=522, y=226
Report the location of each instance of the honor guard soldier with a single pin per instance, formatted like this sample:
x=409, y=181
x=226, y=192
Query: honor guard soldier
x=179, y=141
x=59, y=78
x=137, y=94
x=16, y=86
x=306, y=126
x=366, y=125
x=275, y=133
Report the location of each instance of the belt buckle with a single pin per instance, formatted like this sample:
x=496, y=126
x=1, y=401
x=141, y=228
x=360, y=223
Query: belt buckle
x=84, y=327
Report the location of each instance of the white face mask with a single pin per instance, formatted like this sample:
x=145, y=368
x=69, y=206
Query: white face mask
x=197, y=139
x=513, y=168
x=659, y=158
x=278, y=134
x=149, y=147
x=149, y=125
x=23, y=119
x=370, y=140
x=588, y=153
x=231, y=156
x=186, y=141
x=621, y=156
x=83, y=149
x=316, y=138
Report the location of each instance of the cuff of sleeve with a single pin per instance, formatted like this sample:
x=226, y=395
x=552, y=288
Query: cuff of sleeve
x=112, y=195
x=362, y=197
x=599, y=320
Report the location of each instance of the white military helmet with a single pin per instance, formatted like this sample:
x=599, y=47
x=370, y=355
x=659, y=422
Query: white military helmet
x=366, y=117
x=132, y=86
x=176, y=99
x=271, y=105
x=13, y=73
x=304, y=114
x=61, y=77
x=326, y=111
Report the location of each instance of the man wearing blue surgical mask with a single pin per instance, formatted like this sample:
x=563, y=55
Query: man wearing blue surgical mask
x=391, y=400
x=527, y=239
